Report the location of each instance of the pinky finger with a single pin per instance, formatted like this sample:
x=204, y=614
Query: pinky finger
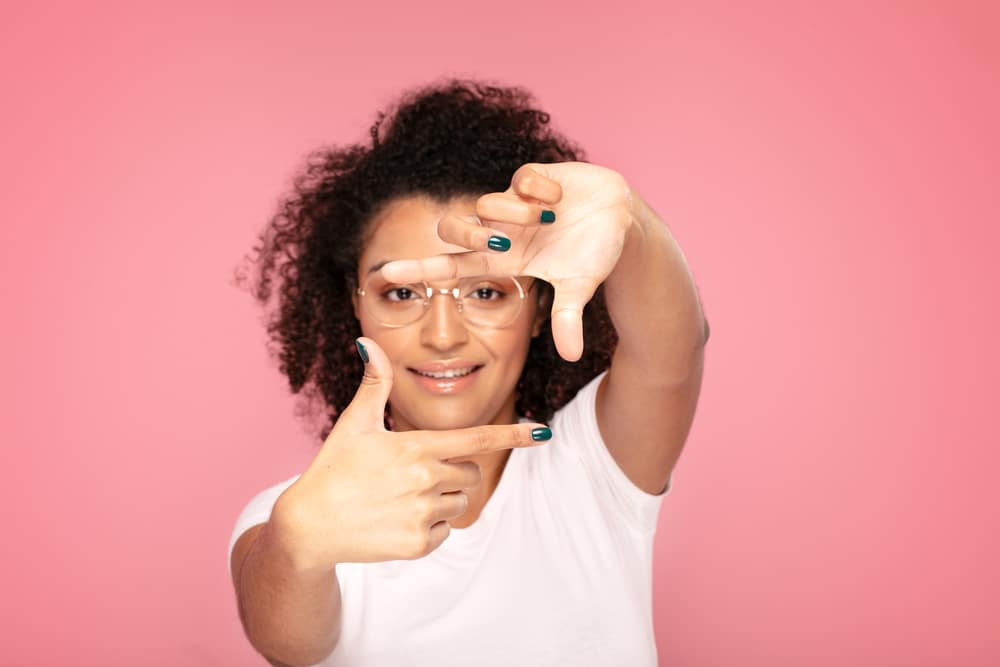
x=439, y=532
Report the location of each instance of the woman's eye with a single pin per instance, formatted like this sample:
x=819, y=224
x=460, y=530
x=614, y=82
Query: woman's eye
x=487, y=294
x=399, y=294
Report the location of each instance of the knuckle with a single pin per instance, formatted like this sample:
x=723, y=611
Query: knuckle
x=412, y=450
x=526, y=176
x=484, y=264
x=452, y=266
x=526, y=180
x=425, y=509
x=422, y=477
x=368, y=379
x=480, y=440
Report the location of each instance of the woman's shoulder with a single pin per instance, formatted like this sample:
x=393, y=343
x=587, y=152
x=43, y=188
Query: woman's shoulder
x=576, y=433
x=583, y=402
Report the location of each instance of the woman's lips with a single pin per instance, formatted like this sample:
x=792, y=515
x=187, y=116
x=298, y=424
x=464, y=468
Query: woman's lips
x=446, y=385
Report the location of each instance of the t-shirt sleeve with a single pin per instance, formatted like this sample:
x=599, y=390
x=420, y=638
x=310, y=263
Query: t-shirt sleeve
x=258, y=510
x=577, y=422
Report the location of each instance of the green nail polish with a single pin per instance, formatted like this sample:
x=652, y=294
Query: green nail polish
x=541, y=433
x=548, y=216
x=362, y=351
x=499, y=243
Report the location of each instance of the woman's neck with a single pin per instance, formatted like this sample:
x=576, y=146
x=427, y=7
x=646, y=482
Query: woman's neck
x=491, y=464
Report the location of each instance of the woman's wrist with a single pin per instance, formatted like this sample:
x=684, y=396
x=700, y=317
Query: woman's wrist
x=289, y=530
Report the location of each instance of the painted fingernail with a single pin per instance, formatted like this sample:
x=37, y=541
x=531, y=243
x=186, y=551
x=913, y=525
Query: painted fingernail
x=499, y=243
x=362, y=351
x=543, y=433
x=548, y=216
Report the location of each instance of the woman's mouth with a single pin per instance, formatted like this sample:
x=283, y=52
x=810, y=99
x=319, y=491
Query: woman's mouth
x=446, y=382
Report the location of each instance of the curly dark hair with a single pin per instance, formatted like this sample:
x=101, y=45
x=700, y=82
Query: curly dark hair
x=445, y=140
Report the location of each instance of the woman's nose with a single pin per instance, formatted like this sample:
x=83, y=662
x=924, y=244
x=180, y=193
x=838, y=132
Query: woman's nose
x=444, y=326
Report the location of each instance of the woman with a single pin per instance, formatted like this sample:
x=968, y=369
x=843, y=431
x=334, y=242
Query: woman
x=532, y=344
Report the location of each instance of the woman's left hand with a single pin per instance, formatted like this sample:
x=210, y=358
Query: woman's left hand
x=575, y=253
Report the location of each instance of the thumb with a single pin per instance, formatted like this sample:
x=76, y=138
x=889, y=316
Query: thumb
x=567, y=316
x=366, y=410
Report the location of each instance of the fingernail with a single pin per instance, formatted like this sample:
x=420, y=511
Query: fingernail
x=499, y=243
x=548, y=216
x=362, y=351
x=543, y=433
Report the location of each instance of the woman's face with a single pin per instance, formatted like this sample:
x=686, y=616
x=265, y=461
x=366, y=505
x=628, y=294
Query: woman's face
x=407, y=228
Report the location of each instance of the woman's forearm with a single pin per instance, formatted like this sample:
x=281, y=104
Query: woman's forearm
x=653, y=301
x=291, y=613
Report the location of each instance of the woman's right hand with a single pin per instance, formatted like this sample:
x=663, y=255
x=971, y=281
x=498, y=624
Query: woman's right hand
x=375, y=495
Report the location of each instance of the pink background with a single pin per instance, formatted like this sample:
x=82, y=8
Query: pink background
x=831, y=174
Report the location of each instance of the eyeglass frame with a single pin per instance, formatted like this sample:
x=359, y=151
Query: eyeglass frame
x=431, y=292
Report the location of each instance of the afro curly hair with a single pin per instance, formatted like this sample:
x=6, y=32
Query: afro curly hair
x=445, y=140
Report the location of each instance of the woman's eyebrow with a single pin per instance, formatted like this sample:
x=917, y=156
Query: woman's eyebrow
x=378, y=265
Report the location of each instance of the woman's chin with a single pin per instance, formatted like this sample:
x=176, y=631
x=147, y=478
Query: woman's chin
x=448, y=422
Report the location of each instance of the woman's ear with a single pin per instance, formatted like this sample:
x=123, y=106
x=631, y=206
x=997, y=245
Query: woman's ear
x=355, y=300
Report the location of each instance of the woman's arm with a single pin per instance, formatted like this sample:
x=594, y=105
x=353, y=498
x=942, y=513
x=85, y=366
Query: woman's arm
x=646, y=403
x=603, y=233
x=291, y=613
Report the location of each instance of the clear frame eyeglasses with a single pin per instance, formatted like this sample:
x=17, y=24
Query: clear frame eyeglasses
x=483, y=301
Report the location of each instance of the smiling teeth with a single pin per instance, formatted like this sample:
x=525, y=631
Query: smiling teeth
x=447, y=374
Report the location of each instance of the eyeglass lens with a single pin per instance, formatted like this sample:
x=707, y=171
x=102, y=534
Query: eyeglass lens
x=486, y=301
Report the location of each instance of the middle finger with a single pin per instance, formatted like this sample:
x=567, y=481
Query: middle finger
x=458, y=475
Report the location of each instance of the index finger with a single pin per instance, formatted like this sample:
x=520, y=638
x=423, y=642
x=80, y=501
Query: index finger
x=446, y=445
x=447, y=267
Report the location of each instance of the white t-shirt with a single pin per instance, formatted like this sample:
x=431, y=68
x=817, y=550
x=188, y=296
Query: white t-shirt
x=557, y=569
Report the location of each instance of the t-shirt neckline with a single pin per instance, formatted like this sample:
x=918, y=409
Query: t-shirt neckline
x=494, y=504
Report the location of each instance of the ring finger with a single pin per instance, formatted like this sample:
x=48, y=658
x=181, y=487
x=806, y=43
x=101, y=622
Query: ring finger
x=449, y=506
x=468, y=232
